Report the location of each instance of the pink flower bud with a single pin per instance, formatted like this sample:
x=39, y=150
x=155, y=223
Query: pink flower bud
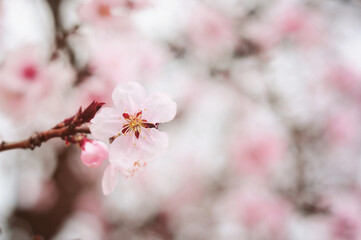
x=93, y=153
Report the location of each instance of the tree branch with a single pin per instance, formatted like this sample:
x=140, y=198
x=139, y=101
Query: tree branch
x=38, y=138
x=66, y=130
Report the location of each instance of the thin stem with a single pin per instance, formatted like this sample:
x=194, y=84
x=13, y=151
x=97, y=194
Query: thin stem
x=38, y=138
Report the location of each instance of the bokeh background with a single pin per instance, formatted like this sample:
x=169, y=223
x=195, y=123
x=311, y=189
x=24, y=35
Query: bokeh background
x=266, y=144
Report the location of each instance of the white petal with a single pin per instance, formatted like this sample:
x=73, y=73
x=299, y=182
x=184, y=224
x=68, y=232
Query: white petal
x=123, y=153
x=110, y=179
x=128, y=96
x=153, y=141
x=106, y=124
x=159, y=108
x=121, y=149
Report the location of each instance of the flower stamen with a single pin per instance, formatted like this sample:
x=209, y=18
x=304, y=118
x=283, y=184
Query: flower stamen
x=135, y=123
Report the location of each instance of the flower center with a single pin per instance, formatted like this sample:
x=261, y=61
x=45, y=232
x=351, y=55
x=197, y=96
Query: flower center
x=29, y=73
x=135, y=123
x=104, y=10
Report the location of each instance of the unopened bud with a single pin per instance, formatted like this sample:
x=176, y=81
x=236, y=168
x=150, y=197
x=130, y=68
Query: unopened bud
x=93, y=153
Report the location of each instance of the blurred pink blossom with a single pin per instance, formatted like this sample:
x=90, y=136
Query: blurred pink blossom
x=341, y=127
x=128, y=58
x=95, y=89
x=345, y=221
x=257, y=153
x=102, y=13
x=132, y=126
x=93, y=153
x=300, y=24
x=210, y=32
x=110, y=14
x=260, y=211
x=345, y=80
x=27, y=77
x=292, y=22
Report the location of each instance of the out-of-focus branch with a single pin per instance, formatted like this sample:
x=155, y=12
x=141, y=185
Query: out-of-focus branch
x=295, y=141
x=300, y=138
x=54, y=5
x=61, y=42
x=38, y=138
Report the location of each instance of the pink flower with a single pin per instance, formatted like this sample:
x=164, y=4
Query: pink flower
x=300, y=24
x=288, y=22
x=125, y=59
x=132, y=126
x=28, y=82
x=259, y=210
x=211, y=32
x=93, y=153
x=345, y=218
x=110, y=13
x=341, y=127
x=102, y=13
x=258, y=153
x=344, y=79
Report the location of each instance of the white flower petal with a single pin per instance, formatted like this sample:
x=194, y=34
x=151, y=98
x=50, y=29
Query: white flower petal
x=128, y=96
x=123, y=153
x=121, y=149
x=153, y=141
x=110, y=179
x=159, y=108
x=106, y=124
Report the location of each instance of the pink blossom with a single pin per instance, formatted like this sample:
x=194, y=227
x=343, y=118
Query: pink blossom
x=342, y=127
x=296, y=23
x=132, y=126
x=24, y=68
x=27, y=79
x=110, y=14
x=259, y=210
x=345, y=221
x=93, y=153
x=300, y=24
x=258, y=152
x=95, y=88
x=125, y=59
x=210, y=31
x=344, y=79
x=101, y=13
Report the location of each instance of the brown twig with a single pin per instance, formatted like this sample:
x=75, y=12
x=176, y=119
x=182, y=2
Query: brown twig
x=38, y=138
x=66, y=130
